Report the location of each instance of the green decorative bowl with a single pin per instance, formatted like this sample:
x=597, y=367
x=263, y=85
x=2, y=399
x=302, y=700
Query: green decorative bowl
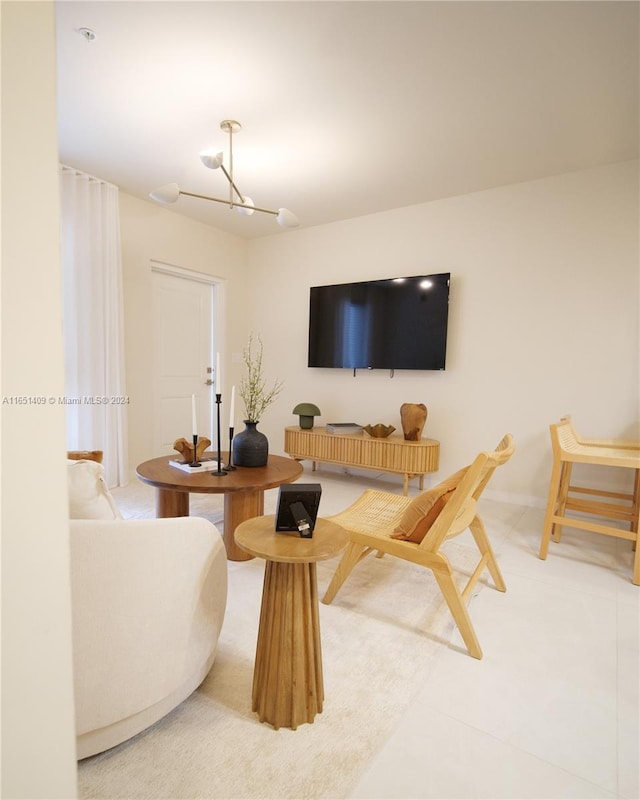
x=379, y=431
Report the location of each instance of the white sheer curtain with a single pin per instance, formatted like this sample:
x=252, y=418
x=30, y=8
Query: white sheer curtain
x=93, y=321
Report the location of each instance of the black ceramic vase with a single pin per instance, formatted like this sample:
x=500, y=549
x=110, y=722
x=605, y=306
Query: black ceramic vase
x=250, y=447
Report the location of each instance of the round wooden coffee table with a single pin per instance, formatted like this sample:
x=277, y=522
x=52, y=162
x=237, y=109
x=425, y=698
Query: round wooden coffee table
x=288, y=688
x=243, y=491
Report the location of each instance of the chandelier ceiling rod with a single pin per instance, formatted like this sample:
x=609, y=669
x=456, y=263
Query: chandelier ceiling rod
x=226, y=202
x=170, y=192
x=231, y=184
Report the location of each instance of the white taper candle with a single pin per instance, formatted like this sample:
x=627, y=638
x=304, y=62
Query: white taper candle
x=218, y=375
x=194, y=418
x=232, y=412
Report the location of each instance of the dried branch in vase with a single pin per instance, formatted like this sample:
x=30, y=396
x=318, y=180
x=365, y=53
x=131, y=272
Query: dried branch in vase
x=256, y=397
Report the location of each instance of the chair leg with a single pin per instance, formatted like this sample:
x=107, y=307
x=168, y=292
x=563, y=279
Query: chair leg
x=484, y=546
x=458, y=610
x=563, y=495
x=352, y=555
x=634, y=528
x=636, y=504
x=554, y=487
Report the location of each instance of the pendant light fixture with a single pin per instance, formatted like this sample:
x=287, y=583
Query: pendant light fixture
x=170, y=192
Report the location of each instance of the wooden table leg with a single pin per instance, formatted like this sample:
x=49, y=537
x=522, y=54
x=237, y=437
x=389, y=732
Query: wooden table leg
x=238, y=507
x=287, y=680
x=172, y=504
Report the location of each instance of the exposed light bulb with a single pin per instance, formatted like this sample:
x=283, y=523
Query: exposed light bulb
x=168, y=193
x=248, y=211
x=211, y=159
x=286, y=218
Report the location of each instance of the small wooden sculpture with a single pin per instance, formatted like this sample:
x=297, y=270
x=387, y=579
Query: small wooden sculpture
x=85, y=455
x=413, y=417
x=185, y=448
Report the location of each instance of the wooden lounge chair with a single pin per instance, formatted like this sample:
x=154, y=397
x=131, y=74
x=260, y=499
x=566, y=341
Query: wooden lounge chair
x=414, y=530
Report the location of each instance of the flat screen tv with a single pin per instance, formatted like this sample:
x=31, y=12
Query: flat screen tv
x=396, y=323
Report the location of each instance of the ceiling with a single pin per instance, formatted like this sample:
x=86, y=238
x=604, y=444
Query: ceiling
x=347, y=108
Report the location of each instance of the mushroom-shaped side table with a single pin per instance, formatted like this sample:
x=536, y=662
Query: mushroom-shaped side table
x=307, y=412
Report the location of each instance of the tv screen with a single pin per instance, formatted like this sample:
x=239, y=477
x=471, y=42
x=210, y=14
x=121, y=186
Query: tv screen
x=396, y=323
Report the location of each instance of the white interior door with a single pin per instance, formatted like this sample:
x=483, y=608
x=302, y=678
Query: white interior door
x=183, y=358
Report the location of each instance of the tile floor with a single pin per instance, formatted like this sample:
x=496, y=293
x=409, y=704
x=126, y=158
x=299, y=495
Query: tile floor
x=552, y=710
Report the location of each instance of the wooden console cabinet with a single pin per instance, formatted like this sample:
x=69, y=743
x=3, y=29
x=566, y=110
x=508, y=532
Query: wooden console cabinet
x=393, y=454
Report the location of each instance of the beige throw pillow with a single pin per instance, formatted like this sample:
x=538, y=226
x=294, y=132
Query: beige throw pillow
x=425, y=508
x=89, y=496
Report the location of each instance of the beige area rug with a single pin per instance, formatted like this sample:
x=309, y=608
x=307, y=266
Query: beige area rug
x=380, y=638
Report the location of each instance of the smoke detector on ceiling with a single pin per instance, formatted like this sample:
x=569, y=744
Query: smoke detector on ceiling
x=87, y=34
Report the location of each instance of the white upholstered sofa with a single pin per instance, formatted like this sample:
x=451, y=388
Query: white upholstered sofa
x=148, y=602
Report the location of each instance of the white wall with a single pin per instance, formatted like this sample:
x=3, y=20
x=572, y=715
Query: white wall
x=543, y=317
x=38, y=740
x=153, y=233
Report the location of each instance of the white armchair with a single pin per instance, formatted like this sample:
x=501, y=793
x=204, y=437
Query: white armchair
x=148, y=600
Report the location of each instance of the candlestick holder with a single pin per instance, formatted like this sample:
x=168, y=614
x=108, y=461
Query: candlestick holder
x=219, y=472
x=194, y=462
x=230, y=467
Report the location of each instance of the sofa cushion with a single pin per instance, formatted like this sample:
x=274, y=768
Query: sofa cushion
x=89, y=496
x=423, y=511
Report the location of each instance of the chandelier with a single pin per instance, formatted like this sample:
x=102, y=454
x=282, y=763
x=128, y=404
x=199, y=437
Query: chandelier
x=170, y=192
